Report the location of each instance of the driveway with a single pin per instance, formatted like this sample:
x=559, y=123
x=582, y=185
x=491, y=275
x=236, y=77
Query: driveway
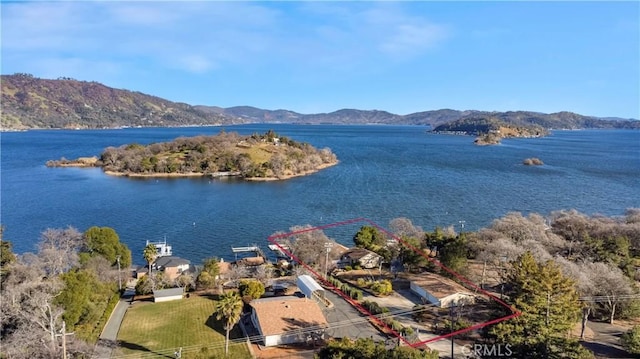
x=346, y=321
x=108, y=337
x=405, y=300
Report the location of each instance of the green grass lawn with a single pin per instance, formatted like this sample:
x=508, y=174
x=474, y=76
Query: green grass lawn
x=151, y=330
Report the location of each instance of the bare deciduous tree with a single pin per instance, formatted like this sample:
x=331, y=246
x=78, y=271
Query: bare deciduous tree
x=263, y=274
x=610, y=283
x=58, y=249
x=403, y=227
x=237, y=272
x=29, y=310
x=308, y=244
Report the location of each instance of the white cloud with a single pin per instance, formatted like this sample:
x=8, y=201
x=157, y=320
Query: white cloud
x=403, y=34
x=409, y=39
x=195, y=63
x=200, y=37
x=358, y=32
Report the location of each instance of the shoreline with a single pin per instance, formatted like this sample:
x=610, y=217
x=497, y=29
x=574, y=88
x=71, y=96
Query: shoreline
x=218, y=174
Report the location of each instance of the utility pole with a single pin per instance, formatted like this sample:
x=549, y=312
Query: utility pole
x=119, y=279
x=327, y=247
x=451, y=327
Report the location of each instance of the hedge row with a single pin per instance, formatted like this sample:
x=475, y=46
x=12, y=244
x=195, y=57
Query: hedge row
x=352, y=292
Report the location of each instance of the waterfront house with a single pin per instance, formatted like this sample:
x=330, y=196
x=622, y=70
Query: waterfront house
x=172, y=266
x=360, y=256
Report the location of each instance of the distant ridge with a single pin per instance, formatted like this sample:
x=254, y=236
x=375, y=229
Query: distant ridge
x=29, y=102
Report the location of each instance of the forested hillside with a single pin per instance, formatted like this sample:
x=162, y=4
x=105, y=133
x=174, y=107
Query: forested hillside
x=30, y=102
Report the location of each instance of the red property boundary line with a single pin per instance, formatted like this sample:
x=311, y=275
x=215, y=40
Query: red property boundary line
x=514, y=313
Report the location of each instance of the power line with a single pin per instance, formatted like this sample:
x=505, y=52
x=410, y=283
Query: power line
x=607, y=298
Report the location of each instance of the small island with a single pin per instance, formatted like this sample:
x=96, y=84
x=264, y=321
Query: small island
x=259, y=157
x=490, y=130
x=533, y=161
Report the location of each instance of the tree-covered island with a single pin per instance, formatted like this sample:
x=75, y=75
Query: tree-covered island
x=490, y=130
x=257, y=157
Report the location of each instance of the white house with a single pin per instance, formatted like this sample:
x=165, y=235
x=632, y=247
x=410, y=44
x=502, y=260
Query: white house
x=281, y=320
x=166, y=295
x=439, y=291
x=360, y=256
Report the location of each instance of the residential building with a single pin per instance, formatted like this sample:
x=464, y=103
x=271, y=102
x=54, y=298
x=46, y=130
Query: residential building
x=172, y=266
x=287, y=320
x=360, y=256
x=439, y=291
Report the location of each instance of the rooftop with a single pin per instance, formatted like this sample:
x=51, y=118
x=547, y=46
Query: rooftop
x=358, y=253
x=440, y=287
x=282, y=314
x=170, y=292
x=171, y=261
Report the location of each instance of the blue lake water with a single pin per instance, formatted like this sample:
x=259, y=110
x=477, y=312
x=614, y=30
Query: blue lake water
x=384, y=172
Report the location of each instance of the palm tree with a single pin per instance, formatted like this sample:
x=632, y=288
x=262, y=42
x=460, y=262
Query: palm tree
x=150, y=253
x=228, y=308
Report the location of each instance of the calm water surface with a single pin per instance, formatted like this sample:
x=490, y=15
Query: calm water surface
x=385, y=172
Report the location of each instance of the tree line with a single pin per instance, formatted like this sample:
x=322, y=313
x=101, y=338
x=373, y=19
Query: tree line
x=557, y=271
x=71, y=278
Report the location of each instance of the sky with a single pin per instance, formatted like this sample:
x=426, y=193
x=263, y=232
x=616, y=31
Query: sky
x=322, y=56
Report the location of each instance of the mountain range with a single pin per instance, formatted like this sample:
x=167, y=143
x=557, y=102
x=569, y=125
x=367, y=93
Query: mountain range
x=29, y=102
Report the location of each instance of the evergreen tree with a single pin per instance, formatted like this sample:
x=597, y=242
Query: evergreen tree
x=104, y=241
x=252, y=289
x=412, y=253
x=630, y=340
x=207, y=278
x=370, y=237
x=453, y=254
x=548, y=302
x=6, y=254
x=365, y=348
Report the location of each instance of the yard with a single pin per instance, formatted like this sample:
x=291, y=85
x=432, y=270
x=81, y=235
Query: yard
x=152, y=330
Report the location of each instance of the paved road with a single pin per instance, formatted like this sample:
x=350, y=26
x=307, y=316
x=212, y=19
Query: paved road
x=606, y=341
x=108, y=337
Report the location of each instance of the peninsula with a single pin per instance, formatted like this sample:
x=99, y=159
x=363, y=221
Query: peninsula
x=259, y=157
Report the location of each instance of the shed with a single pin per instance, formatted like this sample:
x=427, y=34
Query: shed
x=308, y=286
x=166, y=295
